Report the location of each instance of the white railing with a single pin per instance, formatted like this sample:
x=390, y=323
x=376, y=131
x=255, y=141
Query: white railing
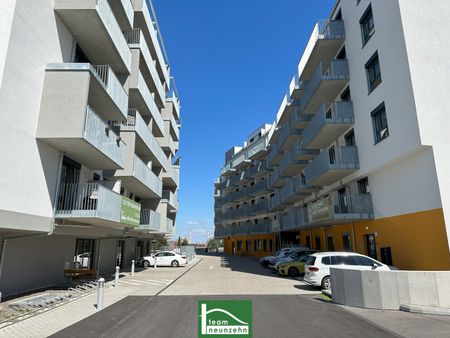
x=112, y=86
x=142, y=172
x=129, y=11
x=169, y=225
x=110, y=22
x=90, y=200
x=150, y=220
x=102, y=137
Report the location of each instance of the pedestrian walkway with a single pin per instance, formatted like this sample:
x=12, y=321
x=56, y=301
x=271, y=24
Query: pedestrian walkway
x=144, y=282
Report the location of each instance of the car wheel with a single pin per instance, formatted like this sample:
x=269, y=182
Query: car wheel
x=326, y=283
x=146, y=264
x=175, y=264
x=293, y=272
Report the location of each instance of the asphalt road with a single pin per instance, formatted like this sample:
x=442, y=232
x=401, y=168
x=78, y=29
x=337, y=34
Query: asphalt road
x=274, y=316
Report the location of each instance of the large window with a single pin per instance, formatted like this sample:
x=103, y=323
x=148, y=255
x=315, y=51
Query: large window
x=373, y=72
x=84, y=254
x=380, y=125
x=367, y=25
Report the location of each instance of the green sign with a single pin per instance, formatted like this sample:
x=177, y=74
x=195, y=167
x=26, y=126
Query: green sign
x=224, y=318
x=130, y=212
x=320, y=211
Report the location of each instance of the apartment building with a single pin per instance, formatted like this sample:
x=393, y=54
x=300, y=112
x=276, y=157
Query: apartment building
x=357, y=158
x=90, y=116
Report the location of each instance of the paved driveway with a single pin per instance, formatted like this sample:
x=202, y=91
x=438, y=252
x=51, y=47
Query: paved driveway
x=282, y=307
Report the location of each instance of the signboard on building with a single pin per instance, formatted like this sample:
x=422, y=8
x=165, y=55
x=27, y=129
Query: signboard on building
x=320, y=211
x=130, y=212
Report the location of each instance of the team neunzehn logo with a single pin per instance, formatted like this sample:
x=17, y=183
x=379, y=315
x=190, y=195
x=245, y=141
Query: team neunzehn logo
x=224, y=318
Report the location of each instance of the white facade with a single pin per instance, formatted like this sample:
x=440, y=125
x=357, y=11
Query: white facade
x=58, y=105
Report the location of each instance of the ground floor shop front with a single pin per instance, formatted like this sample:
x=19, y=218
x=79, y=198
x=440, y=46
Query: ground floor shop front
x=416, y=241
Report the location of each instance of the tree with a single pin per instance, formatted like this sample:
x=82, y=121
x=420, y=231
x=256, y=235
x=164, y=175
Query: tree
x=179, y=241
x=184, y=242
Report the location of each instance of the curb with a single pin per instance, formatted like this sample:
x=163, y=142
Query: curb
x=426, y=310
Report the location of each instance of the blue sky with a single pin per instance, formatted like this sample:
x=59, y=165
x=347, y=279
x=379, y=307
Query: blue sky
x=232, y=61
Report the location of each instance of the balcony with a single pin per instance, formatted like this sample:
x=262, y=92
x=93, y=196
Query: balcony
x=251, y=229
x=240, y=195
x=95, y=28
x=138, y=178
x=296, y=87
x=294, y=219
x=150, y=220
x=171, y=177
x=330, y=167
x=124, y=13
x=173, y=126
x=168, y=144
x=290, y=166
x=276, y=203
x=259, y=169
x=261, y=207
x=147, y=67
x=227, y=170
x=144, y=21
x=276, y=179
x=326, y=82
x=299, y=153
x=170, y=226
x=288, y=136
x=336, y=209
x=146, y=145
x=259, y=188
x=82, y=135
x=142, y=99
x=93, y=203
x=241, y=211
x=331, y=121
x=298, y=119
x=171, y=199
x=325, y=41
x=296, y=190
x=275, y=156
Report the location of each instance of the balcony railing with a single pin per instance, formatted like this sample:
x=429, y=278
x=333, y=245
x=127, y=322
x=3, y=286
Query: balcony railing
x=144, y=174
x=330, y=121
x=136, y=39
x=260, y=207
x=331, y=166
x=171, y=198
x=136, y=123
x=336, y=71
x=259, y=188
x=294, y=219
x=169, y=226
x=339, y=208
x=289, y=166
x=90, y=200
x=150, y=220
x=323, y=44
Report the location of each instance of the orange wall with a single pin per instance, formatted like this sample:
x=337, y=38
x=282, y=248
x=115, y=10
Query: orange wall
x=243, y=252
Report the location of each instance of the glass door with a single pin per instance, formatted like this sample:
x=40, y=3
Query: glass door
x=84, y=254
x=120, y=250
x=371, y=246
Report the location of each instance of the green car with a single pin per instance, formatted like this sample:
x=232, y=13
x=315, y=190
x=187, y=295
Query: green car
x=292, y=268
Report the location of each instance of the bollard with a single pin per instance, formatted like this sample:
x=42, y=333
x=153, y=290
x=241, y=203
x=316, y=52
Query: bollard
x=132, y=267
x=155, y=263
x=116, y=277
x=100, y=293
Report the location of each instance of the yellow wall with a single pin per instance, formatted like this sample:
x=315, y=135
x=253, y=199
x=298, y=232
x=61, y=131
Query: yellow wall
x=418, y=241
x=243, y=252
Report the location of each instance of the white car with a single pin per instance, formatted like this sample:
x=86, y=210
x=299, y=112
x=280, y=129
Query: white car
x=317, y=266
x=163, y=258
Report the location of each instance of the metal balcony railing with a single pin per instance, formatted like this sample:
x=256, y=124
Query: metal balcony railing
x=150, y=220
x=90, y=200
x=260, y=207
x=169, y=226
x=144, y=174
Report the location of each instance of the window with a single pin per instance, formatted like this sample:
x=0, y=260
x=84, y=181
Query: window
x=350, y=139
x=270, y=246
x=308, y=241
x=363, y=186
x=265, y=245
x=310, y=260
x=345, y=260
x=326, y=261
x=346, y=95
x=239, y=245
x=367, y=25
x=380, y=125
x=332, y=154
x=342, y=55
x=318, y=243
x=364, y=261
x=373, y=72
x=84, y=253
x=330, y=243
x=346, y=240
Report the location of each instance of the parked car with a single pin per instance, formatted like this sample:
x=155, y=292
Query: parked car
x=317, y=266
x=293, y=268
x=300, y=252
x=163, y=258
x=265, y=260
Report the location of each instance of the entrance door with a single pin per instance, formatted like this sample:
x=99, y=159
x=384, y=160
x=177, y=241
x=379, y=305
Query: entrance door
x=120, y=251
x=371, y=246
x=84, y=254
x=70, y=175
x=386, y=255
x=330, y=243
x=139, y=249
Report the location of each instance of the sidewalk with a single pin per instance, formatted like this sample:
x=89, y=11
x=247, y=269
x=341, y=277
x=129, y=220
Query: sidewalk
x=147, y=282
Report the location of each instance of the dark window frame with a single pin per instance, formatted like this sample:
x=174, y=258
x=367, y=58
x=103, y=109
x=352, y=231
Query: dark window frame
x=367, y=25
x=373, y=72
x=380, y=123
